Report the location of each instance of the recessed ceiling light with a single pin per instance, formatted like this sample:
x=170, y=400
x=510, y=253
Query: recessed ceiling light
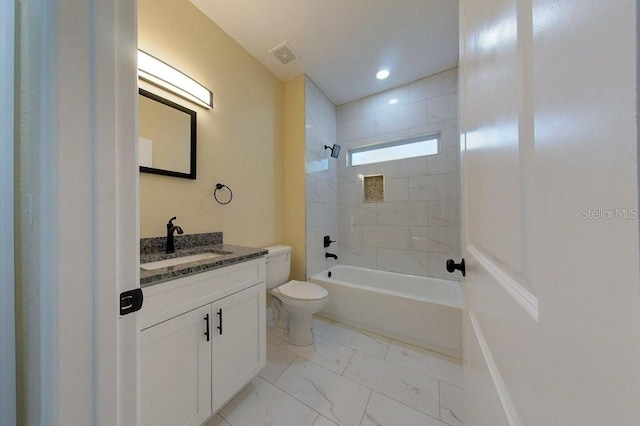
x=382, y=74
x=393, y=101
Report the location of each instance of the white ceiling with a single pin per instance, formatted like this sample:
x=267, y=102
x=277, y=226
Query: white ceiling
x=343, y=43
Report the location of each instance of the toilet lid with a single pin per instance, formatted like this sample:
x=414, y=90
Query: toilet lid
x=302, y=291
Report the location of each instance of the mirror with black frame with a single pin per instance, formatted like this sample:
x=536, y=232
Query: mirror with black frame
x=166, y=137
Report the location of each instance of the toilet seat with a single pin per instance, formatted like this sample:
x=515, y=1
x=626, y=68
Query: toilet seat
x=301, y=291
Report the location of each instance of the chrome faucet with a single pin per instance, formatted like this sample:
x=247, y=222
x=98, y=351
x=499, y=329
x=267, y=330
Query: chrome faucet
x=328, y=255
x=171, y=228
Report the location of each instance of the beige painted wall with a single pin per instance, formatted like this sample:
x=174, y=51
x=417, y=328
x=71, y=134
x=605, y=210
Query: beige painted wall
x=240, y=141
x=294, y=179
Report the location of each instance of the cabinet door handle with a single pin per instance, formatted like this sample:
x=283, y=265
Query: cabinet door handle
x=220, y=320
x=206, y=321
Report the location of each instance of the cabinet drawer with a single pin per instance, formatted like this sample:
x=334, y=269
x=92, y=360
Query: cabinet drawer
x=172, y=298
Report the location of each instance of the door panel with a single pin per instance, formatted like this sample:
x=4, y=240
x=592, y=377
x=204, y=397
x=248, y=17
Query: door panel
x=238, y=349
x=175, y=368
x=484, y=407
x=492, y=131
x=549, y=146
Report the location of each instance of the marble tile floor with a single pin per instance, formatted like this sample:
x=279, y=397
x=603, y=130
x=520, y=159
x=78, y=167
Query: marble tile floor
x=348, y=378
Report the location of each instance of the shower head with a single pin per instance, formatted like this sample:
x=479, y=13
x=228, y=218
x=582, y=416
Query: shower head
x=335, y=150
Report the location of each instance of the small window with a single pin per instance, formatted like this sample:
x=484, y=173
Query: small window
x=416, y=146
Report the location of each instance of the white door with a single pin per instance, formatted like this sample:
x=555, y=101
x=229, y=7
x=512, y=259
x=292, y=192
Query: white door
x=76, y=215
x=550, y=198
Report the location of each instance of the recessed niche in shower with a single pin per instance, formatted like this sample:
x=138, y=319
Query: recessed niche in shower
x=373, y=188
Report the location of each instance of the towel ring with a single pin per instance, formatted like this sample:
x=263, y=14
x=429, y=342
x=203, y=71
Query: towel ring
x=215, y=195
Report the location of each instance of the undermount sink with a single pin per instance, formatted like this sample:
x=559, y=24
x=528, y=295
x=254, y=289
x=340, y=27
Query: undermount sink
x=180, y=260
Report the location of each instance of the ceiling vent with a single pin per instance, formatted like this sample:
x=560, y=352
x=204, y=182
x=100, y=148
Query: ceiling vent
x=285, y=53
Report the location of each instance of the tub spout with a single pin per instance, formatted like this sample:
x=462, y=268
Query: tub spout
x=328, y=255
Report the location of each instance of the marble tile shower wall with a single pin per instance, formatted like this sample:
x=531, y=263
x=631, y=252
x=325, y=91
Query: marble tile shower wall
x=416, y=228
x=321, y=177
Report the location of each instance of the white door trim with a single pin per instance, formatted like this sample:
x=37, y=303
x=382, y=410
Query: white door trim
x=127, y=212
x=116, y=208
x=7, y=279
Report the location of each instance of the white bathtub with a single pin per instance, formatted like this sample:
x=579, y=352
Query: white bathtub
x=426, y=312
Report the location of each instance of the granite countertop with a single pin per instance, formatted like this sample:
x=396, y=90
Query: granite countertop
x=188, y=245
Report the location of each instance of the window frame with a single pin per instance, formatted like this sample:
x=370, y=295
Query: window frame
x=400, y=142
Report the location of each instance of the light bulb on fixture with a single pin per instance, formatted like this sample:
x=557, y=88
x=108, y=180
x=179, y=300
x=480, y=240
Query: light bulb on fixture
x=382, y=74
x=393, y=101
x=158, y=73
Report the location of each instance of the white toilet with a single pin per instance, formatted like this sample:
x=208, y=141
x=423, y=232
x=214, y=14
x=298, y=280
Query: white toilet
x=295, y=301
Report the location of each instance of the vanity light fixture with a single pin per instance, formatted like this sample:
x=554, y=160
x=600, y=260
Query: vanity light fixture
x=160, y=74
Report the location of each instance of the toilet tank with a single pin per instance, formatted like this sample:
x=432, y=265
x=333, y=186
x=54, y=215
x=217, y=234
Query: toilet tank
x=278, y=265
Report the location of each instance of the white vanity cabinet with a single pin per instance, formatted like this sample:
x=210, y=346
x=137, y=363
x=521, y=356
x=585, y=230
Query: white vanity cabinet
x=202, y=340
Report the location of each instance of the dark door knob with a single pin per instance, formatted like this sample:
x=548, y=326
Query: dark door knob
x=452, y=266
